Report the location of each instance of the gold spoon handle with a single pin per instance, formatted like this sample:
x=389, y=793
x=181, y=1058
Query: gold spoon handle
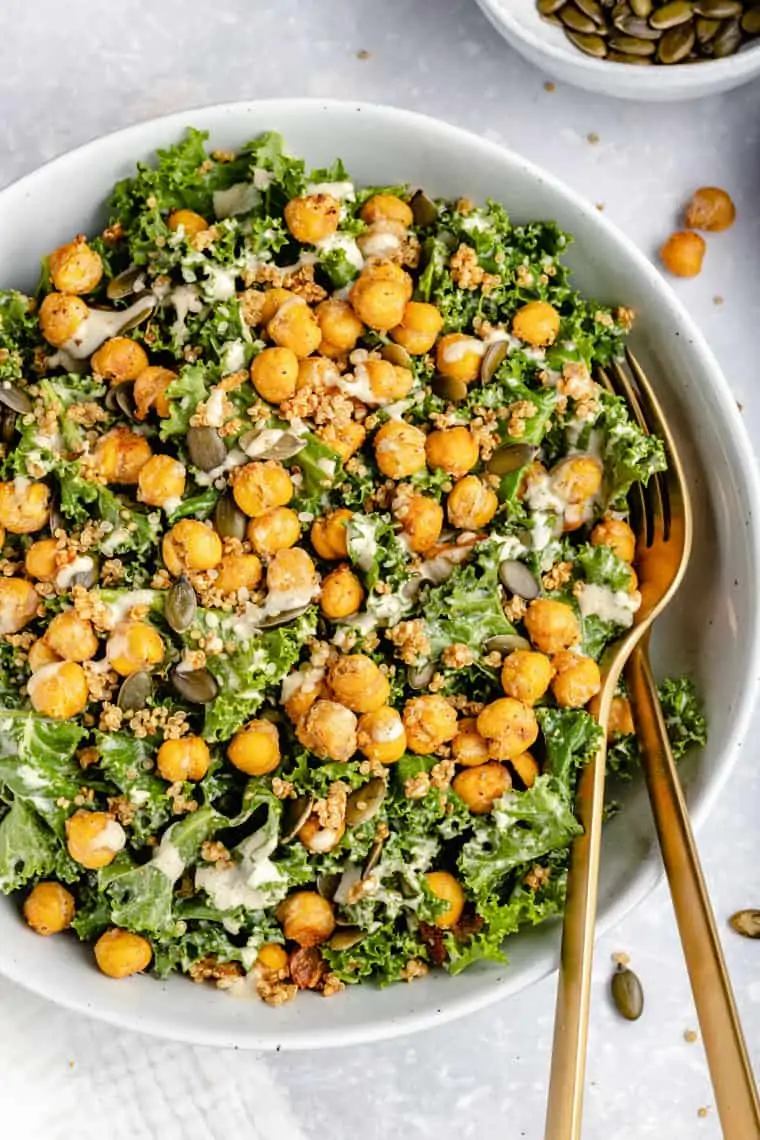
x=730, y=1070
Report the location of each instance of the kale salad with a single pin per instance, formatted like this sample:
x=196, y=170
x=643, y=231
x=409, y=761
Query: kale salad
x=314, y=530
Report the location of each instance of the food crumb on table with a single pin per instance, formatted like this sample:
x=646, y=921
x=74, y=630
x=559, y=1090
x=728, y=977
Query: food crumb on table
x=718, y=299
x=550, y=87
x=690, y=1036
x=592, y=137
x=703, y=1111
x=620, y=958
x=363, y=54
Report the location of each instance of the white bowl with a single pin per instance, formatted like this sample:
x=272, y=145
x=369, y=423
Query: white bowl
x=712, y=629
x=546, y=45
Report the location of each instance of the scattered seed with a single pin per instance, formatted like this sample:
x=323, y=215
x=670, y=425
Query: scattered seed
x=592, y=137
x=690, y=1036
x=746, y=922
x=627, y=993
x=550, y=87
x=363, y=54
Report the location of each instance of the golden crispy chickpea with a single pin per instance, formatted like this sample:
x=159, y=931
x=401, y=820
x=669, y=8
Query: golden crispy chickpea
x=526, y=675
x=119, y=359
x=444, y=886
x=94, y=838
x=292, y=570
x=551, y=625
x=255, y=748
x=319, y=837
x=378, y=302
x=358, y=683
x=508, y=726
x=577, y=478
x=537, y=323
x=683, y=253
x=120, y=455
x=120, y=953
x=384, y=238
x=60, y=316
x=312, y=218
x=274, y=374
x=75, y=267
x=459, y=356
x=576, y=679
x=306, y=918
x=386, y=208
x=191, y=545
x=468, y=747
x=259, y=487
x=40, y=654
x=340, y=326
x=300, y=690
x=329, y=535
x=134, y=645
x=384, y=269
x=399, y=449
x=419, y=327
x=421, y=519
x=329, y=731
x=238, y=572
x=274, y=299
x=430, y=721
x=381, y=735
x=188, y=221
x=346, y=440
x=59, y=690
x=39, y=560
x=278, y=529
x=710, y=209
x=18, y=604
x=72, y=637
x=272, y=956
x=387, y=382
x=184, y=759
x=471, y=504
x=294, y=326
x=317, y=372
x=616, y=534
x=149, y=391
x=480, y=787
x=49, y=908
x=161, y=482
x=24, y=506
x=342, y=593
x=526, y=767
x=454, y=449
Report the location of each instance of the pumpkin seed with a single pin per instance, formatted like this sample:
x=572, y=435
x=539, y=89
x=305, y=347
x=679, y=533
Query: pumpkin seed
x=589, y=45
x=751, y=21
x=420, y=676
x=373, y=857
x=727, y=40
x=124, y=284
x=641, y=8
x=294, y=816
x=271, y=443
x=424, y=209
x=620, y=12
x=553, y=19
x=397, y=354
x=15, y=399
x=621, y=57
x=56, y=521
x=229, y=520
x=676, y=43
x=719, y=9
x=207, y=448
x=518, y=579
x=633, y=26
x=120, y=399
x=197, y=686
x=86, y=578
x=746, y=922
x=327, y=884
x=705, y=29
x=576, y=20
x=492, y=359
x=181, y=605
x=549, y=7
x=283, y=617
x=7, y=425
x=506, y=643
x=345, y=938
x=364, y=802
x=632, y=45
x=672, y=14
x=137, y=313
x=627, y=993
x=510, y=458
x=593, y=10
x=449, y=389
x=134, y=692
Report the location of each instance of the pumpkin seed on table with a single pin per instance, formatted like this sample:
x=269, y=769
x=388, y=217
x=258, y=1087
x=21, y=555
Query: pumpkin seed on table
x=627, y=993
x=746, y=922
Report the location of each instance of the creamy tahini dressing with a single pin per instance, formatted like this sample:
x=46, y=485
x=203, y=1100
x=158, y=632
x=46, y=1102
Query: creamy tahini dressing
x=617, y=606
x=83, y=564
x=453, y=353
x=345, y=242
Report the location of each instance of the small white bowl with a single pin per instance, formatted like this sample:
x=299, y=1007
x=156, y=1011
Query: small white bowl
x=546, y=46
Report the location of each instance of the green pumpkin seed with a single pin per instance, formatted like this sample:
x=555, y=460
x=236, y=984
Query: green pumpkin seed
x=120, y=400
x=633, y=26
x=229, y=520
x=672, y=14
x=630, y=45
x=719, y=9
x=589, y=45
x=449, y=389
x=124, y=284
x=373, y=858
x=134, y=692
x=397, y=354
x=627, y=993
x=705, y=29
x=593, y=10
x=207, y=448
x=181, y=605
x=510, y=458
x=641, y=8
x=506, y=643
x=517, y=579
x=271, y=443
x=197, y=686
x=620, y=12
x=345, y=938
x=549, y=7
x=751, y=21
x=621, y=57
x=424, y=209
x=420, y=676
x=88, y=577
x=493, y=357
x=676, y=43
x=364, y=802
x=327, y=883
x=294, y=816
x=13, y=398
x=553, y=19
x=576, y=20
x=727, y=40
x=746, y=922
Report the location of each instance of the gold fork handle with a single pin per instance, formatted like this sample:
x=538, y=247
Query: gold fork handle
x=730, y=1070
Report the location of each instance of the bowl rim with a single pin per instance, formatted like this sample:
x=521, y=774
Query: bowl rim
x=651, y=872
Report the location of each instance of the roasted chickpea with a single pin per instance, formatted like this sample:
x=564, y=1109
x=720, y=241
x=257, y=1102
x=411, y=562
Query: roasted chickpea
x=329, y=535
x=238, y=572
x=278, y=529
x=134, y=645
x=59, y=690
x=386, y=208
x=255, y=749
x=576, y=679
x=292, y=570
x=273, y=956
x=312, y=218
x=318, y=837
x=119, y=359
x=551, y=625
x=40, y=654
x=399, y=449
x=75, y=267
x=378, y=302
x=60, y=316
x=459, y=356
x=72, y=637
x=444, y=886
x=340, y=326
x=120, y=455
x=274, y=374
x=342, y=594
x=419, y=327
x=274, y=299
x=422, y=521
x=358, y=683
x=454, y=449
x=300, y=690
x=294, y=326
x=260, y=486
x=317, y=372
x=383, y=239
x=94, y=838
x=306, y=918
x=385, y=269
x=24, y=506
x=39, y=560
x=526, y=675
x=526, y=767
x=49, y=908
x=482, y=786
x=683, y=253
x=616, y=534
x=430, y=721
x=149, y=391
x=577, y=478
x=187, y=220
x=710, y=209
x=346, y=440
x=468, y=747
x=191, y=545
x=508, y=726
x=387, y=382
x=329, y=731
x=18, y=604
x=471, y=504
x=537, y=323
x=184, y=759
x=381, y=735
x=120, y=953
x=161, y=482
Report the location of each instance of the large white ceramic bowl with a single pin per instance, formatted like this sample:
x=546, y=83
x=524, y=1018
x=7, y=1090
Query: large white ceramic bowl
x=547, y=47
x=712, y=629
